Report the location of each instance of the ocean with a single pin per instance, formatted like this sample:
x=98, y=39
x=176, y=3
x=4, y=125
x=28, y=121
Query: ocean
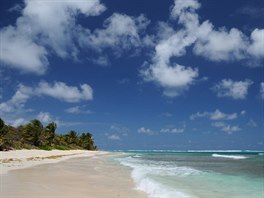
x=197, y=174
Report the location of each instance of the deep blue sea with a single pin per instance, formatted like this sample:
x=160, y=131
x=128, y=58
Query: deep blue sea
x=199, y=174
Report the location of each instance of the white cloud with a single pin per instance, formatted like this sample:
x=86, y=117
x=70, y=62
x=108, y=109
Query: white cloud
x=243, y=112
x=120, y=32
x=44, y=117
x=173, y=130
x=182, y=7
x=16, y=8
x=78, y=110
x=18, y=122
x=58, y=90
x=226, y=127
x=230, y=129
x=184, y=11
x=257, y=43
x=44, y=25
x=206, y=41
x=75, y=110
x=174, y=79
x=20, y=52
x=117, y=131
x=114, y=137
x=55, y=21
x=212, y=44
x=119, y=128
x=166, y=114
x=216, y=115
x=18, y=100
x=261, y=90
x=51, y=28
x=164, y=72
x=61, y=91
x=252, y=123
x=146, y=131
x=233, y=89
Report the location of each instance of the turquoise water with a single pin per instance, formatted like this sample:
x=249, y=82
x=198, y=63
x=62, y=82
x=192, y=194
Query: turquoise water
x=170, y=174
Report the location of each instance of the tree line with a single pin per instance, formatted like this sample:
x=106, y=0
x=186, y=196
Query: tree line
x=34, y=135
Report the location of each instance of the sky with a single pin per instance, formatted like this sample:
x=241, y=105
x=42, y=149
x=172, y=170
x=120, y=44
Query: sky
x=182, y=75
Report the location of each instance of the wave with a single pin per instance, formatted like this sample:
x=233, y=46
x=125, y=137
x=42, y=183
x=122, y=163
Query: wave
x=230, y=156
x=155, y=189
x=144, y=172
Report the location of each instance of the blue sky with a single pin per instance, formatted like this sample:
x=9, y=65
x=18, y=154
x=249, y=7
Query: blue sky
x=183, y=74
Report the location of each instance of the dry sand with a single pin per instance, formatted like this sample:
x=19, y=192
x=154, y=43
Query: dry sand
x=19, y=159
x=83, y=175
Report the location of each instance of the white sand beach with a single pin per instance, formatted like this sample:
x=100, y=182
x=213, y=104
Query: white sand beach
x=66, y=174
x=19, y=159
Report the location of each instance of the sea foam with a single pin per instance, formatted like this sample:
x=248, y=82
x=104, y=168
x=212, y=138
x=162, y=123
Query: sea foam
x=144, y=172
x=229, y=156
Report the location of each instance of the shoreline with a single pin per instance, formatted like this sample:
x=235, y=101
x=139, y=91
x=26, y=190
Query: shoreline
x=74, y=173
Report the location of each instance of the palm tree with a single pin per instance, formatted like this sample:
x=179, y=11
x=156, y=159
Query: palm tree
x=50, y=129
x=32, y=132
x=71, y=137
x=2, y=124
x=87, y=141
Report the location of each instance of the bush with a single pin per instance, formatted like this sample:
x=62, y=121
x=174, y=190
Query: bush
x=45, y=147
x=60, y=147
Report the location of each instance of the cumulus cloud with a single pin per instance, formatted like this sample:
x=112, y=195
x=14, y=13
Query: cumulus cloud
x=143, y=130
x=184, y=8
x=204, y=38
x=51, y=28
x=208, y=41
x=257, y=43
x=212, y=44
x=57, y=90
x=44, y=25
x=120, y=32
x=172, y=77
x=233, y=89
x=63, y=92
x=216, y=115
x=18, y=100
x=226, y=127
x=20, y=52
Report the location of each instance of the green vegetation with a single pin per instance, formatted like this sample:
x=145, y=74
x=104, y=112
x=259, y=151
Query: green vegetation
x=34, y=135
